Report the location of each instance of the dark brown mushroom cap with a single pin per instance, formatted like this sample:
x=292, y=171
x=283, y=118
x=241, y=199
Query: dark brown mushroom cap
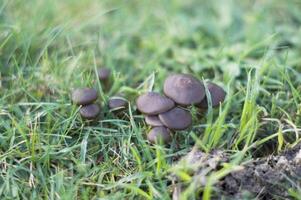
x=176, y=119
x=217, y=94
x=90, y=111
x=84, y=96
x=103, y=73
x=117, y=103
x=158, y=134
x=184, y=89
x=153, y=120
x=152, y=103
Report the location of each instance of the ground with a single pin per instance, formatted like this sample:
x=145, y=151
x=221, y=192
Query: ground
x=49, y=47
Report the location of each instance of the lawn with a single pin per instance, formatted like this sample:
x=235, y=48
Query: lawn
x=50, y=47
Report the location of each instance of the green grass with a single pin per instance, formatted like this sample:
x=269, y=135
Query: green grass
x=49, y=47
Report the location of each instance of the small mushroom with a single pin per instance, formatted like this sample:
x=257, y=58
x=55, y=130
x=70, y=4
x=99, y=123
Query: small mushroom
x=90, y=111
x=84, y=96
x=158, y=134
x=217, y=94
x=153, y=120
x=184, y=89
x=176, y=119
x=152, y=103
x=104, y=74
x=117, y=103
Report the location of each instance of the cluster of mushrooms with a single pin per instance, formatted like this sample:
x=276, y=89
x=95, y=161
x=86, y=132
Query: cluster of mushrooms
x=86, y=97
x=164, y=113
x=168, y=112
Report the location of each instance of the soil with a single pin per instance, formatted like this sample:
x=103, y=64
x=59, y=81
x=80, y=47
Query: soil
x=264, y=178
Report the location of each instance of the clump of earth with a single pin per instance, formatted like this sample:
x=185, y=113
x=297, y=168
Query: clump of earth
x=264, y=178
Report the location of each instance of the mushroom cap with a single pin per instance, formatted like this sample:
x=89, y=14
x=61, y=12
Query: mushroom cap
x=84, y=96
x=176, y=119
x=103, y=73
x=159, y=133
x=153, y=120
x=152, y=103
x=90, y=111
x=117, y=103
x=217, y=94
x=184, y=89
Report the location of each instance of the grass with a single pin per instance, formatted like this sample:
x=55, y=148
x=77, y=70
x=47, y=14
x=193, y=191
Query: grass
x=49, y=47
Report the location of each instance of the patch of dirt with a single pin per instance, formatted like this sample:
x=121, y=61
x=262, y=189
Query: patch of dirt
x=264, y=178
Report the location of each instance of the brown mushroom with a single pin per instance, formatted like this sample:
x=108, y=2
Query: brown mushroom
x=117, y=103
x=90, y=111
x=159, y=134
x=104, y=73
x=184, y=89
x=84, y=96
x=176, y=119
x=217, y=94
x=153, y=120
x=152, y=103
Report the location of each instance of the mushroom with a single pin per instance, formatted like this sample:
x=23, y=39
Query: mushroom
x=217, y=95
x=153, y=120
x=104, y=74
x=90, y=111
x=117, y=103
x=84, y=96
x=158, y=134
x=176, y=119
x=152, y=103
x=184, y=89
x=104, y=77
